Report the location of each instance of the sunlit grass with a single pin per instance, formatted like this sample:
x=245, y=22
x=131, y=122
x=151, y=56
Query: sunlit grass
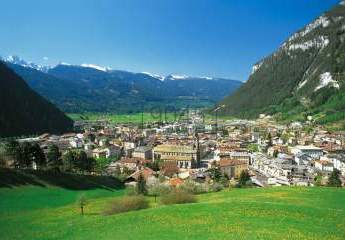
x=274, y=213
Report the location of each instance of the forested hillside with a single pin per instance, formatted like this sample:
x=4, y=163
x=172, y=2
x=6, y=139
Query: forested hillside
x=24, y=112
x=305, y=76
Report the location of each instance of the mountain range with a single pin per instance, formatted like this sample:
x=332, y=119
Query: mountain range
x=92, y=88
x=304, y=77
x=24, y=112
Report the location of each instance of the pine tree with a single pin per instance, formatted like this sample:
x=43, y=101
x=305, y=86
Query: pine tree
x=334, y=179
x=54, y=160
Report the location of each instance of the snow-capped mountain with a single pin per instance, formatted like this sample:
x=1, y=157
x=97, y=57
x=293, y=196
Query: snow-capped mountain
x=306, y=74
x=45, y=68
x=19, y=61
x=89, y=87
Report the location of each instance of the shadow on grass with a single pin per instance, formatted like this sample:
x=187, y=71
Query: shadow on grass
x=14, y=178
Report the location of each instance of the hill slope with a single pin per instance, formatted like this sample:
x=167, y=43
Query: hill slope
x=273, y=213
x=24, y=112
x=304, y=76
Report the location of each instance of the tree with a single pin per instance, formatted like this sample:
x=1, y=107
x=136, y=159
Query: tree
x=13, y=151
x=318, y=180
x=334, y=179
x=269, y=140
x=275, y=153
x=102, y=163
x=244, y=178
x=26, y=157
x=54, y=160
x=38, y=155
x=69, y=159
x=253, y=147
x=215, y=172
x=81, y=161
x=141, y=185
x=82, y=203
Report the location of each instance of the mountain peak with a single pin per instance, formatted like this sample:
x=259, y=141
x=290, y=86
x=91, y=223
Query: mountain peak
x=19, y=61
x=100, y=68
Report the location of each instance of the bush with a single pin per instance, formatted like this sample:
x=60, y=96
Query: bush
x=126, y=204
x=178, y=197
x=158, y=189
x=192, y=187
x=217, y=187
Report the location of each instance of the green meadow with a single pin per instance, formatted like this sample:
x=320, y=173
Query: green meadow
x=146, y=117
x=31, y=211
x=126, y=118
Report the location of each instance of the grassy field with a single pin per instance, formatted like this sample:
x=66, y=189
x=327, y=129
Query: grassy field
x=50, y=212
x=126, y=118
x=145, y=117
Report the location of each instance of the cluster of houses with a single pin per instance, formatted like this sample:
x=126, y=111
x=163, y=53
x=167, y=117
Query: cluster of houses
x=273, y=154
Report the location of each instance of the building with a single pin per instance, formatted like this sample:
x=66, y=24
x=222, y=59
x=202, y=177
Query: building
x=324, y=166
x=143, y=152
x=182, y=155
x=232, y=167
x=312, y=151
x=240, y=156
x=132, y=163
x=338, y=161
x=108, y=152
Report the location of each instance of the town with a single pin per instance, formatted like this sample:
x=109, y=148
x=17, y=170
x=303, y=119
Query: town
x=208, y=152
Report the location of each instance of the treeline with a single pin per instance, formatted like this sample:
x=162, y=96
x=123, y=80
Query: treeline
x=31, y=155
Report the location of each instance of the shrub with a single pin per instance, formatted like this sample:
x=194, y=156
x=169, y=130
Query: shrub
x=126, y=204
x=192, y=187
x=178, y=197
x=217, y=187
x=158, y=189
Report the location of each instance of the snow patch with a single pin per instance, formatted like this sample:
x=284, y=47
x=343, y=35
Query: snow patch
x=157, y=76
x=104, y=69
x=342, y=3
x=65, y=64
x=256, y=67
x=319, y=42
x=177, y=77
x=339, y=18
x=321, y=21
x=326, y=79
x=18, y=61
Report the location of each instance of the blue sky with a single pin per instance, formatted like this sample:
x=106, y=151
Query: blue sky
x=219, y=38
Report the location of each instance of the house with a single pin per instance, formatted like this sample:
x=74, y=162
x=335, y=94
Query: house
x=133, y=163
x=143, y=152
x=145, y=172
x=338, y=161
x=108, y=152
x=232, y=168
x=324, y=166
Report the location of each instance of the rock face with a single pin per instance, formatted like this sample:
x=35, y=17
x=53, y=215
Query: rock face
x=24, y=112
x=304, y=76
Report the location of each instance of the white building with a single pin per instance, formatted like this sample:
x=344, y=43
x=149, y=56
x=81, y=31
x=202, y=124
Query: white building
x=312, y=151
x=324, y=165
